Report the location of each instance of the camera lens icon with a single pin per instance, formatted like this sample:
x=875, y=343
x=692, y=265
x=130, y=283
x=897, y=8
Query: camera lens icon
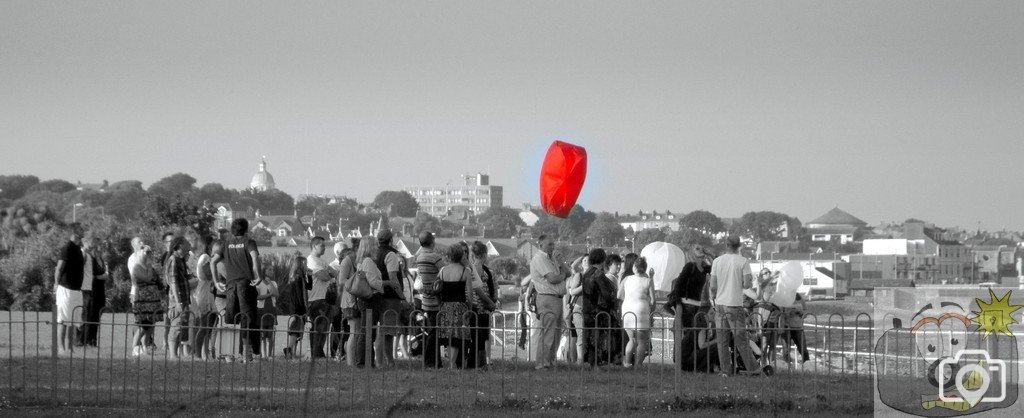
x=974, y=372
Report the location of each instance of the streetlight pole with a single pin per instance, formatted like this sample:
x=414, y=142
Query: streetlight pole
x=74, y=212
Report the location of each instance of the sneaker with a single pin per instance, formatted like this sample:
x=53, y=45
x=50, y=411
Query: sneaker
x=136, y=351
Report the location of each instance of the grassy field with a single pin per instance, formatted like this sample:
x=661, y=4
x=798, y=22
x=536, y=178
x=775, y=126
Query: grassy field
x=281, y=387
x=108, y=380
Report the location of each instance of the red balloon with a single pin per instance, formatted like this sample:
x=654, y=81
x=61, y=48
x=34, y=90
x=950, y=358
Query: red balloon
x=562, y=177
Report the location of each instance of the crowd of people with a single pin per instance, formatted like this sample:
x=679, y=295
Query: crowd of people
x=436, y=305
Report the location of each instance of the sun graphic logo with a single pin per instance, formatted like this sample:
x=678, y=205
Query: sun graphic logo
x=996, y=315
x=957, y=354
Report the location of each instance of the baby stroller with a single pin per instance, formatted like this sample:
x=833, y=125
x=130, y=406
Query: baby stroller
x=764, y=322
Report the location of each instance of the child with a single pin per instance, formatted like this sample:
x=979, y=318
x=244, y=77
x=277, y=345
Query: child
x=794, y=330
x=266, y=308
x=298, y=286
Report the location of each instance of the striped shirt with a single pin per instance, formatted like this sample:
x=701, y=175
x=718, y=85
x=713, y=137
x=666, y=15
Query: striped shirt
x=428, y=264
x=176, y=273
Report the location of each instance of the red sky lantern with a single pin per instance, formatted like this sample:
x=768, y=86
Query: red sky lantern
x=562, y=177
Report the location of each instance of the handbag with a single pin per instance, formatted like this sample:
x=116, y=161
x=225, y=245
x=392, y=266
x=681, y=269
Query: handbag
x=359, y=286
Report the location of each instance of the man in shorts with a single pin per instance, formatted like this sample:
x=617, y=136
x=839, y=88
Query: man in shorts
x=67, y=288
x=241, y=260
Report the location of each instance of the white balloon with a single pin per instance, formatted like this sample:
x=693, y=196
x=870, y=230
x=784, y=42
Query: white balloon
x=790, y=279
x=667, y=261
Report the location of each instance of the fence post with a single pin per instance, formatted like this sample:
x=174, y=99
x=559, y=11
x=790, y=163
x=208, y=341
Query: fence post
x=53, y=352
x=368, y=351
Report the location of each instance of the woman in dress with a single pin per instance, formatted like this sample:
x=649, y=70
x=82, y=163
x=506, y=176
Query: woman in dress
x=148, y=306
x=296, y=291
x=366, y=255
x=483, y=273
x=453, y=318
x=637, y=294
x=203, y=308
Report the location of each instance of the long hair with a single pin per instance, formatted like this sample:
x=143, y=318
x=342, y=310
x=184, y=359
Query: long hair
x=298, y=269
x=367, y=248
x=627, y=264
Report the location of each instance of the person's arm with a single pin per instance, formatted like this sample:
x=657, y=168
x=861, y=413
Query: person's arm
x=712, y=285
x=373, y=279
x=56, y=274
x=575, y=284
x=650, y=295
x=394, y=268
x=621, y=292
x=213, y=266
x=748, y=277
x=257, y=266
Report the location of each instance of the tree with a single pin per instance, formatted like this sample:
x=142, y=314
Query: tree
x=425, y=222
x=173, y=185
x=215, y=193
x=125, y=185
x=126, y=203
x=55, y=185
x=703, y=221
x=606, y=230
x=767, y=225
x=500, y=222
x=161, y=212
x=686, y=238
x=571, y=229
x=13, y=187
x=399, y=203
x=270, y=201
x=647, y=236
x=509, y=268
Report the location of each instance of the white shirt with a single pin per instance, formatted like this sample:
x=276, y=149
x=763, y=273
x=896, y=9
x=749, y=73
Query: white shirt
x=541, y=265
x=729, y=269
x=319, y=269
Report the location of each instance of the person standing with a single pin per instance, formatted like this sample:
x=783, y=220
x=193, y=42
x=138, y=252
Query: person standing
x=94, y=296
x=67, y=287
x=167, y=238
x=730, y=275
x=343, y=266
x=297, y=294
x=488, y=299
x=203, y=306
x=370, y=308
x=241, y=260
x=597, y=300
x=637, y=294
x=548, y=279
x=180, y=296
x=146, y=304
x=392, y=269
x=428, y=263
x=684, y=303
x=319, y=306
x=266, y=308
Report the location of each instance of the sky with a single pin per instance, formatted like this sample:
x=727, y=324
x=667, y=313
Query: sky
x=888, y=110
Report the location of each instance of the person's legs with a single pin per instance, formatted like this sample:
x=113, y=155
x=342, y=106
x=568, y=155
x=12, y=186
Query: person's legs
x=337, y=333
x=179, y=327
x=353, y=347
x=643, y=342
x=581, y=337
x=741, y=339
x=250, y=319
x=549, y=308
x=723, y=336
x=318, y=331
x=431, y=351
x=630, y=346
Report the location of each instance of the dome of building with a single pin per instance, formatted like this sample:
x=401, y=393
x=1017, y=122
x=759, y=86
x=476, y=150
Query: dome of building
x=262, y=180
